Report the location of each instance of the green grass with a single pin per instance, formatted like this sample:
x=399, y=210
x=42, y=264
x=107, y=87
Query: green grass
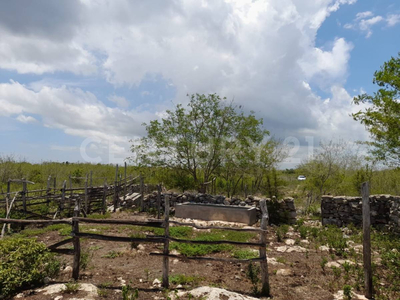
x=244, y=254
x=63, y=230
x=185, y=279
x=107, y=215
x=214, y=235
x=112, y=254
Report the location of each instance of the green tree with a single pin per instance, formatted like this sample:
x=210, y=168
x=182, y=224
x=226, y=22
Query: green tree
x=382, y=117
x=196, y=139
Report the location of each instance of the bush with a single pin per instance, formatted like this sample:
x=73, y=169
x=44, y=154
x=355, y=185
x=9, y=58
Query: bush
x=281, y=232
x=24, y=262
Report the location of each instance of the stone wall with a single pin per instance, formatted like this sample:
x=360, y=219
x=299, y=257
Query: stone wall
x=280, y=211
x=341, y=211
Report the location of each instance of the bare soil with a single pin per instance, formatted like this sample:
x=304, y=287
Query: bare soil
x=138, y=269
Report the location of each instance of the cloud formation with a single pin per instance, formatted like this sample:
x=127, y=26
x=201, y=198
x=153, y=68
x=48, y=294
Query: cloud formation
x=364, y=21
x=262, y=54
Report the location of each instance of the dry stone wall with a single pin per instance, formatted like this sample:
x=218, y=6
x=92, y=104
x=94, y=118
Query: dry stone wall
x=341, y=211
x=280, y=211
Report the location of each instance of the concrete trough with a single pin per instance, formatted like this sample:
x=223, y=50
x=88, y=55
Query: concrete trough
x=212, y=212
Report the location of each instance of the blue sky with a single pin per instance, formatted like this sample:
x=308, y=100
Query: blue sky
x=78, y=78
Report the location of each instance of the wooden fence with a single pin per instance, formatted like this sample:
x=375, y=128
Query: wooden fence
x=53, y=202
x=164, y=239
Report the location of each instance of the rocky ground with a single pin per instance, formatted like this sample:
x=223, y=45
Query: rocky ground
x=295, y=270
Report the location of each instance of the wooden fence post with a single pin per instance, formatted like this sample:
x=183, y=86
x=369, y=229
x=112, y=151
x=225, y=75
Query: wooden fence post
x=77, y=244
x=70, y=185
x=24, y=192
x=62, y=201
x=86, y=195
x=91, y=178
x=158, y=200
x=366, y=240
x=141, y=193
x=265, y=290
x=104, y=196
x=165, y=280
x=125, y=181
x=48, y=193
x=8, y=198
x=8, y=194
x=116, y=189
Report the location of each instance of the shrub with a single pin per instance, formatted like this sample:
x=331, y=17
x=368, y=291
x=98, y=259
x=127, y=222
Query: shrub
x=252, y=273
x=281, y=232
x=71, y=288
x=347, y=292
x=303, y=232
x=24, y=262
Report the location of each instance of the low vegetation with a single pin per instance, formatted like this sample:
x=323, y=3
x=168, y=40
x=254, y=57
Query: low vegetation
x=24, y=263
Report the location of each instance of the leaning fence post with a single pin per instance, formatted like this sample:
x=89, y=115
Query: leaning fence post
x=24, y=192
x=48, y=193
x=158, y=200
x=265, y=290
x=104, y=196
x=141, y=193
x=366, y=240
x=62, y=201
x=165, y=281
x=116, y=189
x=86, y=195
x=76, y=243
x=8, y=195
x=125, y=181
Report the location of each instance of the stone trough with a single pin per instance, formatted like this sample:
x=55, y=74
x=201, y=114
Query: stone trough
x=212, y=212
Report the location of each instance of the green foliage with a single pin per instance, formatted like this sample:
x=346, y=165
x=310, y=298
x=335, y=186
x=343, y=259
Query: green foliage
x=136, y=235
x=176, y=231
x=86, y=257
x=214, y=235
x=200, y=139
x=303, y=230
x=382, y=119
x=252, y=273
x=323, y=263
x=128, y=293
x=281, y=232
x=71, y=288
x=24, y=262
x=336, y=272
x=347, y=292
x=184, y=279
x=244, y=253
x=63, y=230
x=112, y=254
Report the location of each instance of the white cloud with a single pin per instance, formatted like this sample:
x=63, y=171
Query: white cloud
x=261, y=53
x=120, y=101
x=364, y=21
x=392, y=19
x=363, y=15
x=75, y=112
x=26, y=119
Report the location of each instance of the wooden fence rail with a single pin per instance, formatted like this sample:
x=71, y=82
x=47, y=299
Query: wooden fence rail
x=165, y=239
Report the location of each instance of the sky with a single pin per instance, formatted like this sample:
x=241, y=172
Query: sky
x=78, y=78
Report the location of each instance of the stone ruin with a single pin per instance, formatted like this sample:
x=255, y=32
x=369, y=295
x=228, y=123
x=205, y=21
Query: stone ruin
x=342, y=210
x=280, y=211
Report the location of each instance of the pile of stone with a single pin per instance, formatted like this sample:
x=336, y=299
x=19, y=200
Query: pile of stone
x=342, y=210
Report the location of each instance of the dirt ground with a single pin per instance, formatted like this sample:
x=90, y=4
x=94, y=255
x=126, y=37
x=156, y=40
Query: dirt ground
x=305, y=278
